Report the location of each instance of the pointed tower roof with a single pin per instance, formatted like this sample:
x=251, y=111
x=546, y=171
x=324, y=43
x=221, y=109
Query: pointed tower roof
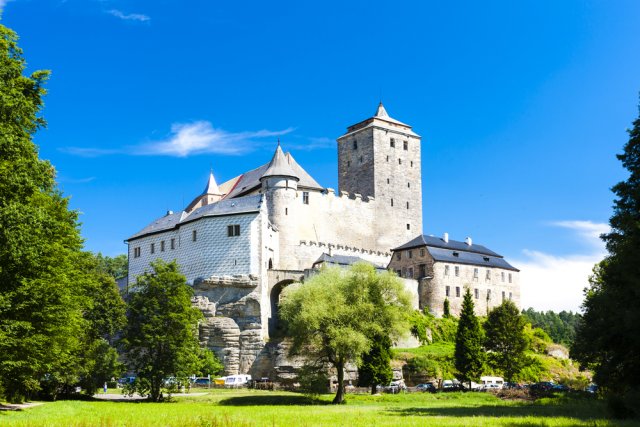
x=279, y=166
x=212, y=186
x=381, y=112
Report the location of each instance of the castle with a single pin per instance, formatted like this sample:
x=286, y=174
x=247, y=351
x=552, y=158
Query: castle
x=241, y=242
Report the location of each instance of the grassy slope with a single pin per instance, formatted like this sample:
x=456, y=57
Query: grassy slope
x=255, y=408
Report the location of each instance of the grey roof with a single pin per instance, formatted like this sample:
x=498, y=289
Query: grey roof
x=463, y=257
x=223, y=207
x=344, y=260
x=438, y=242
x=279, y=166
x=212, y=186
x=251, y=180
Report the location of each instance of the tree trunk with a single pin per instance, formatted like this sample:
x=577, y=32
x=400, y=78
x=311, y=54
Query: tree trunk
x=374, y=388
x=340, y=393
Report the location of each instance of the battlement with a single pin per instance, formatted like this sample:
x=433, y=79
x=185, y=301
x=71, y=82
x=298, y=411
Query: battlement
x=345, y=248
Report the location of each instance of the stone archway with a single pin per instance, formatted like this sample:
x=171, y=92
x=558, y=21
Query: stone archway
x=275, y=326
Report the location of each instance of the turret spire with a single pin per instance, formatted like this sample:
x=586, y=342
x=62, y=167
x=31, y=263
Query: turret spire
x=381, y=112
x=279, y=165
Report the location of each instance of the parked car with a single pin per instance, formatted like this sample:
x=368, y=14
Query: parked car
x=542, y=386
x=512, y=386
x=560, y=387
x=592, y=388
x=490, y=387
x=427, y=387
x=452, y=385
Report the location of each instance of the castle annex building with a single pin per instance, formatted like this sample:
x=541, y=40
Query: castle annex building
x=241, y=242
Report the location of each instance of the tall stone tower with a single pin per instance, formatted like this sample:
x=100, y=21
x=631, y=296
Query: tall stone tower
x=380, y=158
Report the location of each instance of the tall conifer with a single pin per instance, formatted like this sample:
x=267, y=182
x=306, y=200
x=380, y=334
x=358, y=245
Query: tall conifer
x=469, y=354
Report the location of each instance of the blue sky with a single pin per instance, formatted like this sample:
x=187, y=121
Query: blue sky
x=522, y=107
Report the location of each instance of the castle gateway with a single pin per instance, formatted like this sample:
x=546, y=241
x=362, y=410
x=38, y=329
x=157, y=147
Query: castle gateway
x=240, y=243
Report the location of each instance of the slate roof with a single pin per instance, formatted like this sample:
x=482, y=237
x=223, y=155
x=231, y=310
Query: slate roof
x=279, y=166
x=466, y=254
x=250, y=180
x=223, y=207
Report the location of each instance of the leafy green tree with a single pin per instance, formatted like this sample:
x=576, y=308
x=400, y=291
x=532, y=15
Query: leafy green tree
x=41, y=321
x=116, y=267
x=561, y=327
x=469, y=354
x=607, y=339
x=332, y=317
x=506, y=340
x=161, y=334
x=375, y=366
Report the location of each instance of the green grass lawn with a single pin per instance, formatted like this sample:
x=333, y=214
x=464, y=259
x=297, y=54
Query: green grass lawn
x=259, y=408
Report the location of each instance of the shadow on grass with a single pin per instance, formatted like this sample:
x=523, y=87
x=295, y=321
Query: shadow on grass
x=275, y=400
x=583, y=410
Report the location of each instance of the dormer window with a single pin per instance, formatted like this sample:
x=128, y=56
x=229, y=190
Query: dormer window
x=486, y=258
x=456, y=254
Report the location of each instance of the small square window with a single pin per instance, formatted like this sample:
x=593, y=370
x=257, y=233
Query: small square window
x=421, y=252
x=399, y=255
x=233, y=230
x=136, y=252
x=399, y=161
x=388, y=181
x=411, y=163
x=447, y=290
x=162, y=246
x=408, y=185
x=153, y=248
x=457, y=291
x=173, y=243
x=405, y=145
x=355, y=145
x=305, y=197
x=392, y=142
x=408, y=226
x=194, y=235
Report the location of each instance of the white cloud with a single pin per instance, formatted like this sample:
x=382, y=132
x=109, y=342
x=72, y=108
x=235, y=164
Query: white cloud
x=201, y=137
x=313, y=144
x=76, y=180
x=128, y=17
x=552, y=282
x=187, y=139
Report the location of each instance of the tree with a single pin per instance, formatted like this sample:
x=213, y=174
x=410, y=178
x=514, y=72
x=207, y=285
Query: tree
x=332, y=317
x=41, y=321
x=161, y=333
x=116, y=267
x=506, y=340
x=607, y=339
x=469, y=353
x=375, y=367
x=446, y=309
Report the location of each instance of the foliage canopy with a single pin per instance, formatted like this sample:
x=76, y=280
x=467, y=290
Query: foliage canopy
x=469, y=353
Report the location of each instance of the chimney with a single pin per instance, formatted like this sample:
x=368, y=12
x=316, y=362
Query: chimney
x=468, y=241
x=445, y=237
x=169, y=213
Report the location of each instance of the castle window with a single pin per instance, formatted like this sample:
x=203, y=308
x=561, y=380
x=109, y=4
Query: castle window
x=410, y=254
x=410, y=273
x=391, y=202
x=286, y=211
x=305, y=197
x=421, y=252
x=162, y=246
x=392, y=142
x=233, y=230
x=476, y=293
x=388, y=181
x=355, y=145
x=136, y=252
x=399, y=255
x=405, y=145
x=488, y=294
x=348, y=163
x=399, y=161
x=446, y=270
x=457, y=271
x=387, y=158
x=502, y=296
x=488, y=277
x=475, y=273
x=411, y=163
x=153, y=248
x=408, y=185
x=510, y=296
x=408, y=226
x=502, y=275
x=360, y=159
x=194, y=235
x=509, y=277
x=407, y=205
x=399, y=273
x=457, y=291
x=447, y=290
x=173, y=243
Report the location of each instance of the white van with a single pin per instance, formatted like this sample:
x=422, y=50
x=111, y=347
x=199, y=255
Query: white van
x=494, y=383
x=237, y=380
